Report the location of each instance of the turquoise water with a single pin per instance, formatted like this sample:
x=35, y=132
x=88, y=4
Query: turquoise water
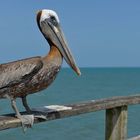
x=95, y=83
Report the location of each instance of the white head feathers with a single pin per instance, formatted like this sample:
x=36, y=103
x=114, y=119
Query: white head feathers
x=47, y=14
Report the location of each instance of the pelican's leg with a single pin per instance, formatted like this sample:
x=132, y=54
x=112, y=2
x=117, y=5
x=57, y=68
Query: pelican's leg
x=25, y=104
x=26, y=120
x=13, y=104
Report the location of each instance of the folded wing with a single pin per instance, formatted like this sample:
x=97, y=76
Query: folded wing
x=17, y=72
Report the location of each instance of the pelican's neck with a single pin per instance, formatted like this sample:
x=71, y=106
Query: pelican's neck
x=54, y=56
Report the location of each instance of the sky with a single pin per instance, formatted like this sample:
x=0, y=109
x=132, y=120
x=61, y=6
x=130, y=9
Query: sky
x=100, y=33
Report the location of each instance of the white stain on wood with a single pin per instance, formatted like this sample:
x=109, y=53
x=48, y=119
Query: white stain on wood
x=52, y=108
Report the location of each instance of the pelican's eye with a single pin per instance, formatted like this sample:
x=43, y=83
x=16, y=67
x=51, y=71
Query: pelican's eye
x=53, y=20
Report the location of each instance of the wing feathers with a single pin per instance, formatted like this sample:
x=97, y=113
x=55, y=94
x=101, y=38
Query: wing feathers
x=19, y=71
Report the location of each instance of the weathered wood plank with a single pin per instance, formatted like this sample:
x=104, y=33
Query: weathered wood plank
x=116, y=123
x=9, y=121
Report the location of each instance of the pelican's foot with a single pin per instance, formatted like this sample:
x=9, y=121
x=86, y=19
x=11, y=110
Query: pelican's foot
x=42, y=117
x=27, y=121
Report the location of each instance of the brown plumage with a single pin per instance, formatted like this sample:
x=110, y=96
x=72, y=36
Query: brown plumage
x=23, y=77
x=28, y=76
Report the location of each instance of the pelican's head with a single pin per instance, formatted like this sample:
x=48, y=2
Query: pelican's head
x=49, y=25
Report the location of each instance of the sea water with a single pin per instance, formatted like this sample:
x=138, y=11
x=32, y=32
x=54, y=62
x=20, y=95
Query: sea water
x=93, y=84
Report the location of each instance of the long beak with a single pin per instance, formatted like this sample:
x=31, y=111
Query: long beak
x=56, y=36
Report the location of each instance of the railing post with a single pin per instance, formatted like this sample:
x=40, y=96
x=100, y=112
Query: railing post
x=116, y=123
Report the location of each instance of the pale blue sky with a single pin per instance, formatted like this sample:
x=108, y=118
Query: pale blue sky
x=99, y=32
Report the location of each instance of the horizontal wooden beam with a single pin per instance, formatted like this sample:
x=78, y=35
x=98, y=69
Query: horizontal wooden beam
x=60, y=111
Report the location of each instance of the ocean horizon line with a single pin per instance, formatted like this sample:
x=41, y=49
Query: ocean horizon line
x=65, y=67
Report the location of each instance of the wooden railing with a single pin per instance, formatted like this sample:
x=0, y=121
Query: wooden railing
x=116, y=114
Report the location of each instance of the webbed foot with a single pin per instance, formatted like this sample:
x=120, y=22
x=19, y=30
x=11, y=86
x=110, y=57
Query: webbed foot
x=27, y=121
x=40, y=116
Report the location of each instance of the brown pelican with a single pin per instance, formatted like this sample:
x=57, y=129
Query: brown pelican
x=23, y=77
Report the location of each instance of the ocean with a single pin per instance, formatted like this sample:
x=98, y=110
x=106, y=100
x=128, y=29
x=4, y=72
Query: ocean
x=93, y=84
